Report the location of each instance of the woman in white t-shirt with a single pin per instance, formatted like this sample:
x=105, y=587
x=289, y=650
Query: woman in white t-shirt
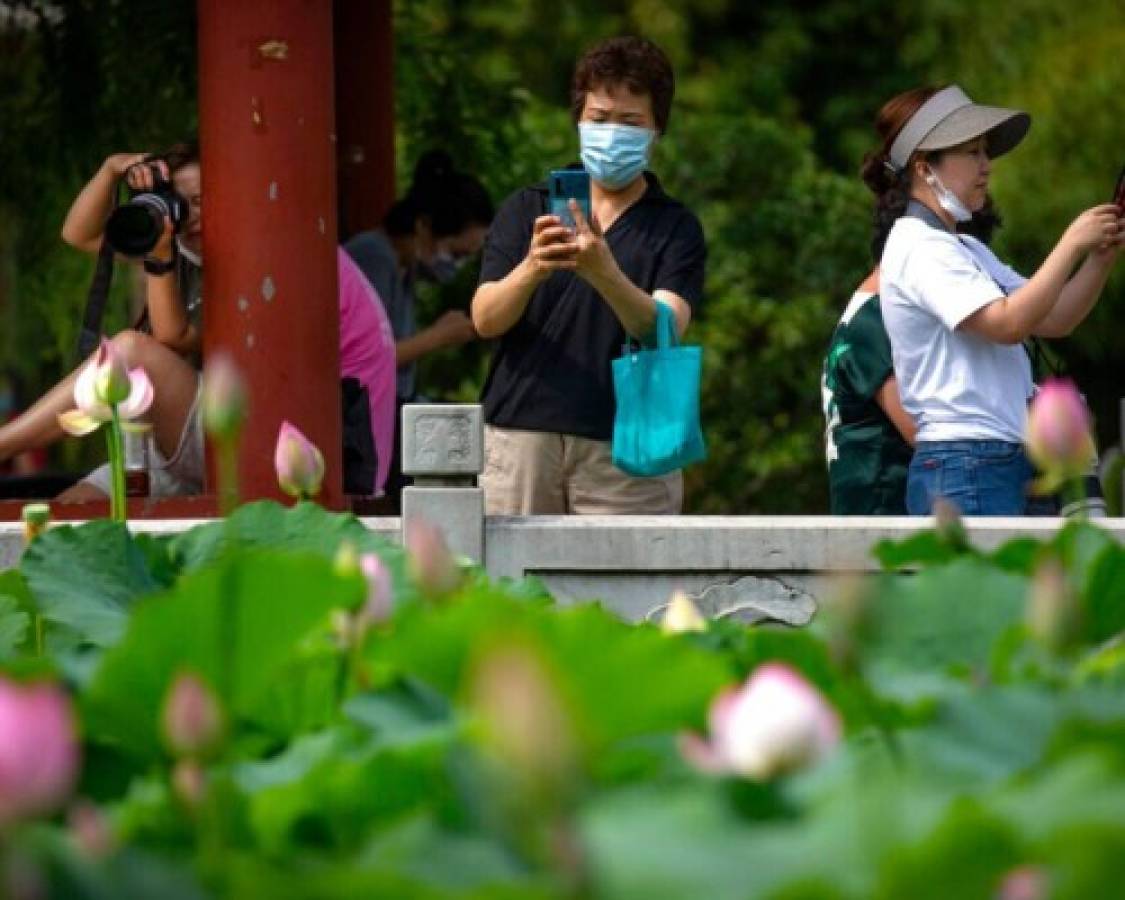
x=956, y=314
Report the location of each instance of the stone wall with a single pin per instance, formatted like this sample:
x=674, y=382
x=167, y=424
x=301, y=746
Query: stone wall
x=751, y=567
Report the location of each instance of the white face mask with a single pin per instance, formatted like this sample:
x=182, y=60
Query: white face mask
x=948, y=200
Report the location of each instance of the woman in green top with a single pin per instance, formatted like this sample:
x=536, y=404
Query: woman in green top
x=869, y=438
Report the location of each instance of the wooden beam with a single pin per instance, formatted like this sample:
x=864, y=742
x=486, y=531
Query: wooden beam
x=365, y=112
x=267, y=138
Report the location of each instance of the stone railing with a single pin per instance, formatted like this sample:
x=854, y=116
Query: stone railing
x=751, y=567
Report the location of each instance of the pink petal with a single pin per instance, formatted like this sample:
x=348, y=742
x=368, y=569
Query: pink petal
x=700, y=754
x=140, y=395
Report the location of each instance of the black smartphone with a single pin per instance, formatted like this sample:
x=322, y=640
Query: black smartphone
x=564, y=185
x=1119, y=191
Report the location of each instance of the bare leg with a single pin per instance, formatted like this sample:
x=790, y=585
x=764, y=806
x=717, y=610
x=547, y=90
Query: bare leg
x=174, y=386
x=83, y=492
x=39, y=426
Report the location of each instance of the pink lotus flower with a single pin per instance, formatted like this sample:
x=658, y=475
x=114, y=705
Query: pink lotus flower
x=299, y=464
x=774, y=724
x=1058, y=432
x=193, y=719
x=380, y=589
x=103, y=384
x=430, y=561
x=38, y=749
x=223, y=397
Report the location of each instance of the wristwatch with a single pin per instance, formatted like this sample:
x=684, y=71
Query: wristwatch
x=159, y=266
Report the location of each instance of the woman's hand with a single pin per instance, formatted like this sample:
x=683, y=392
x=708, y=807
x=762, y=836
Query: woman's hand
x=553, y=247
x=594, y=256
x=1096, y=229
x=118, y=164
x=162, y=250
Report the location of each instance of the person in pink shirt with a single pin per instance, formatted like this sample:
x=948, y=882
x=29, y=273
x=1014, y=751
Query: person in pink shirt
x=367, y=354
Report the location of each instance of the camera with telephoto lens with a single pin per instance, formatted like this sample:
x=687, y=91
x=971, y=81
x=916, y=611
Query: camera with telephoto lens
x=135, y=226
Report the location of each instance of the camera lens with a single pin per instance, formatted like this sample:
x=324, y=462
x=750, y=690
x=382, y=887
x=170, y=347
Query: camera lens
x=134, y=228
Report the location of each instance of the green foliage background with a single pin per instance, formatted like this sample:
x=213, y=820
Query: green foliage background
x=773, y=114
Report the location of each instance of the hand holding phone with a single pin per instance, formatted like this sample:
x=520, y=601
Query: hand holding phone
x=564, y=185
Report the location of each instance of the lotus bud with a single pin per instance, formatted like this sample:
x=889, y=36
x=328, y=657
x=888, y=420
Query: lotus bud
x=380, y=589
x=223, y=402
x=90, y=830
x=36, y=518
x=1024, y=883
x=525, y=724
x=39, y=750
x=346, y=561
x=111, y=376
x=193, y=719
x=682, y=615
x=1058, y=431
x=774, y=724
x=299, y=464
x=1054, y=614
x=344, y=629
x=431, y=563
x=189, y=783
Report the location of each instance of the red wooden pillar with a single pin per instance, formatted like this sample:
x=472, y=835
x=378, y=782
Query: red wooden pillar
x=365, y=112
x=269, y=221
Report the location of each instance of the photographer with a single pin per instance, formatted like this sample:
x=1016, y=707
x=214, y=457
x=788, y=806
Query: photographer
x=173, y=274
x=957, y=315
x=167, y=341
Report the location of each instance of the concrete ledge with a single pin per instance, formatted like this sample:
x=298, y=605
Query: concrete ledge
x=11, y=533
x=810, y=544
x=749, y=567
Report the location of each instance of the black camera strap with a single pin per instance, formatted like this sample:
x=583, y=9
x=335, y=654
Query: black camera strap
x=91, y=334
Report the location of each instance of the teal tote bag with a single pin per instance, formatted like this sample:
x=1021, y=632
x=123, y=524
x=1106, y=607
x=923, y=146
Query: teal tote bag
x=656, y=429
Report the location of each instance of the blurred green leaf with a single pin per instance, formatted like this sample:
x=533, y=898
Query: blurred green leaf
x=87, y=578
x=242, y=625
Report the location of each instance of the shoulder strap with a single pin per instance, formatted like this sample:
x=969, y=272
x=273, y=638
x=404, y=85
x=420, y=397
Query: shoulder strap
x=98, y=294
x=91, y=331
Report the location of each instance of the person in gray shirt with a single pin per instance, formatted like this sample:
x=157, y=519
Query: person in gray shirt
x=428, y=233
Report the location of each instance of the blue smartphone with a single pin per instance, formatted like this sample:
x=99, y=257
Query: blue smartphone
x=564, y=185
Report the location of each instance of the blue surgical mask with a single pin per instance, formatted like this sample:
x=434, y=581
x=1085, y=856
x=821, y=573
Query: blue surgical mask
x=614, y=155
x=948, y=200
x=442, y=268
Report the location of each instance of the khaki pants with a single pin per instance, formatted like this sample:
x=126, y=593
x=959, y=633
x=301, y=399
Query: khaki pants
x=543, y=473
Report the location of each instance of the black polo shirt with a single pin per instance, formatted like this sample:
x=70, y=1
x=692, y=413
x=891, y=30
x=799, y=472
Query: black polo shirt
x=551, y=370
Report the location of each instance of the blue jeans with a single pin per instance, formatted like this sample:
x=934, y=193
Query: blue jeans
x=980, y=478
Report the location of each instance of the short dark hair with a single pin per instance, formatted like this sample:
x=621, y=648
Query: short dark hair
x=181, y=154
x=635, y=62
x=452, y=200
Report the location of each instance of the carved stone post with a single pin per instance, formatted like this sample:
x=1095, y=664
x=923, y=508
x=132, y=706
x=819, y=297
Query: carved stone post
x=443, y=449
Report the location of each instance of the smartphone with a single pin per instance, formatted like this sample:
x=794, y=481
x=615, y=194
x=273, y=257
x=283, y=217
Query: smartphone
x=1119, y=191
x=564, y=185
